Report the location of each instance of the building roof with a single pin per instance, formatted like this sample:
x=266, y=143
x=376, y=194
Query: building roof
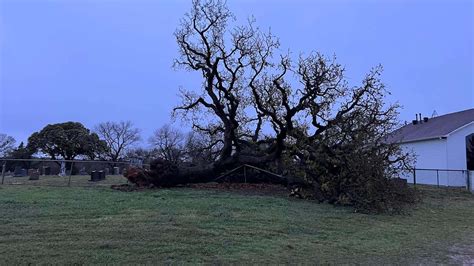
x=436, y=127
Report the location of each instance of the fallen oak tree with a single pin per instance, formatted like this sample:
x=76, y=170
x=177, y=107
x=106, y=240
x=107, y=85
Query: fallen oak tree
x=299, y=117
x=164, y=173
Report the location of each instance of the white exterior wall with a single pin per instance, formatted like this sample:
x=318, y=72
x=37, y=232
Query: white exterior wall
x=449, y=153
x=457, y=154
x=457, y=147
x=430, y=154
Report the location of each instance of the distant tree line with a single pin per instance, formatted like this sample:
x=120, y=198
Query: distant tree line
x=108, y=141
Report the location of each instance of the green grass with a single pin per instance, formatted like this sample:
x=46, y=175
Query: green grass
x=63, y=181
x=99, y=225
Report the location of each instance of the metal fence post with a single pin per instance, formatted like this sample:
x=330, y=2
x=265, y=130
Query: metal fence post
x=4, y=166
x=468, y=181
x=437, y=177
x=448, y=177
x=245, y=174
x=70, y=174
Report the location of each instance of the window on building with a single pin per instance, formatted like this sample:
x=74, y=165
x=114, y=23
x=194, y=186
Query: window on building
x=470, y=152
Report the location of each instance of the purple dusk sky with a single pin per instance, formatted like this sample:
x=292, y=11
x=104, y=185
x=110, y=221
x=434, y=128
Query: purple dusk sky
x=101, y=60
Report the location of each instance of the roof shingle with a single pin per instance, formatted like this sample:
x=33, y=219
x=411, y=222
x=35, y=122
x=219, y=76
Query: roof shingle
x=436, y=127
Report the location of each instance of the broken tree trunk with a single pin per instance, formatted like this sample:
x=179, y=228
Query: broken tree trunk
x=167, y=174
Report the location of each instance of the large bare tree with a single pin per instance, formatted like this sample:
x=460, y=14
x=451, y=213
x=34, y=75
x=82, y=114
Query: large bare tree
x=260, y=107
x=247, y=88
x=119, y=137
x=169, y=143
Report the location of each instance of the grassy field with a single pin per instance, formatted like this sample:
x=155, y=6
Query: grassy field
x=41, y=224
x=64, y=181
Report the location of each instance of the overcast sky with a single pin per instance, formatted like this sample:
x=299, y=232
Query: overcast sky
x=100, y=60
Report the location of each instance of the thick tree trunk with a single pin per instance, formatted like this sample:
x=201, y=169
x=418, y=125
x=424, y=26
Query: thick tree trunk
x=167, y=174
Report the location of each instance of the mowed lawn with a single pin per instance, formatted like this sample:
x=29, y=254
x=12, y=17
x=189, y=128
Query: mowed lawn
x=184, y=225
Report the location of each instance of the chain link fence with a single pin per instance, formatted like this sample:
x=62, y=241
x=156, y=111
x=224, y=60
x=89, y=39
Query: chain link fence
x=46, y=172
x=441, y=178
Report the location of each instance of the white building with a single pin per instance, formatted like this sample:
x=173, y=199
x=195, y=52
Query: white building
x=445, y=143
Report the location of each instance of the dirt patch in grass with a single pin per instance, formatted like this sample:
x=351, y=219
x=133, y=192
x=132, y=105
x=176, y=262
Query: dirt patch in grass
x=260, y=189
x=462, y=253
x=127, y=188
x=245, y=188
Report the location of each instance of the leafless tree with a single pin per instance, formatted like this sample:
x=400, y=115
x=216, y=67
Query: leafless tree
x=304, y=105
x=119, y=137
x=144, y=154
x=201, y=148
x=7, y=144
x=169, y=143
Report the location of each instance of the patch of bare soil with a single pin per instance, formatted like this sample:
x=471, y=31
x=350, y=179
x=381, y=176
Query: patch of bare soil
x=244, y=188
x=462, y=254
x=128, y=188
x=241, y=188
